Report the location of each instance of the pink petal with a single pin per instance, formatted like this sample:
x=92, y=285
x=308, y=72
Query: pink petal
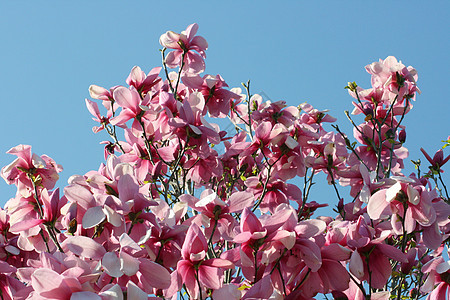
x=195, y=242
x=378, y=207
x=127, y=98
x=111, y=264
x=79, y=194
x=169, y=40
x=195, y=63
x=287, y=238
x=134, y=292
x=127, y=187
x=123, y=117
x=191, y=30
x=392, y=252
x=261, y=290
x=249, y=222
x=113, y=293
x=84, y=246
x=240, y=200
x=311, y=254
x=194, y=82
x=93, y=217
x=432, y=237
x=310, y=228
x=199, y=42
x=242, y=237
x=219, y=263
x=128, y=264
x=356, y=265
x=173, y=59
x=263, y=130
x=154, y=274
x=227, y=292
x=25, y=224
x=85, y=296
x=93, y=108
x=45, y=280
x=97, y=92
x=112, y=216
x=337, y=274
x=381, y=269
x=209, y=276
x=6, y=268
x=336, y=252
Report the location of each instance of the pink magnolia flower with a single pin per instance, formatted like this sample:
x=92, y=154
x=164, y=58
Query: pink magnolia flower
x=438, y=279
x=215, y=214
x=190, y=124
x=314, y=116
x=195, y=267
x=10, y=287
x=405, y=204
x=217, y=99
x=277, y=192
x=133, y=107
x=255, y=236
x=394, y=77
x=27, y=168
x=437, y=161
x=143, y=83
x=371, y=253
x=93, y=109
x=185, y=45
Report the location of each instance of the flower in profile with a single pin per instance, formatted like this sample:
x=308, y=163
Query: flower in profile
x=28, y=169
x=438, y=280
x=185, y=45
x=437, y=161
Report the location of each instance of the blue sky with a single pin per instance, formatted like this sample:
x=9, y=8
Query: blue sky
x=295, y=51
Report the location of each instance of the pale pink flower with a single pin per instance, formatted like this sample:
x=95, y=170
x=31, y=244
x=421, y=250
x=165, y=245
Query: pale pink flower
x=185, y=45
x=217, y=99
x=29, y=166
x=143, y=83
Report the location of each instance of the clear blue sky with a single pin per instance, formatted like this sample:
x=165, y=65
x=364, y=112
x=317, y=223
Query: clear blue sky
x=297, y=51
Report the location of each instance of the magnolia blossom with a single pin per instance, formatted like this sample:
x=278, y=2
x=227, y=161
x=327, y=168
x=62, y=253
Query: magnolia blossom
x=183, y=207
x=194, y=269
x=185, y=46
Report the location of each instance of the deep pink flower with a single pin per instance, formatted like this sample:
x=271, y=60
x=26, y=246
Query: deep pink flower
x=404, y=204
x=371, y=253
x=437, y=161
x=194, y=266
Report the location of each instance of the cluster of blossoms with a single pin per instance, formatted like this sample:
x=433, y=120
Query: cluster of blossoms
x=182, y=209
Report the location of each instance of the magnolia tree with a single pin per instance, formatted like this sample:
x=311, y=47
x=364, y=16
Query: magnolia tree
x=170, y=216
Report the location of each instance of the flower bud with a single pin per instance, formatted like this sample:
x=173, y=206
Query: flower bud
x=402, y=136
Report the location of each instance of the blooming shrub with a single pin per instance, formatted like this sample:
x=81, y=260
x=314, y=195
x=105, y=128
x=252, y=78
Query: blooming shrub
x=170, y=215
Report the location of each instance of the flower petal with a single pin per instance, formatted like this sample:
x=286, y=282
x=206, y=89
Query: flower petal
x=93, y=217
x=84, y=246
x=111, y=264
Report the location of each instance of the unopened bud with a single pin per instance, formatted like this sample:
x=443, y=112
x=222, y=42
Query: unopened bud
x=351, y=86
x=402, y=136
